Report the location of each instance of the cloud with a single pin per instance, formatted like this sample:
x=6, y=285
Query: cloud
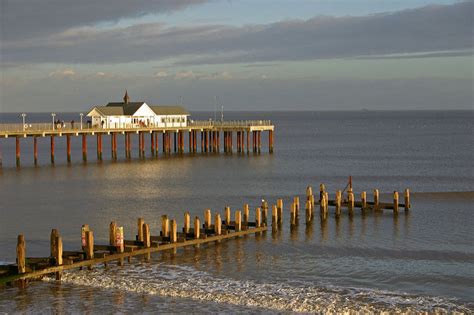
x=28, y=19
x=427, y=29
x=161, y=74
x=62, y=73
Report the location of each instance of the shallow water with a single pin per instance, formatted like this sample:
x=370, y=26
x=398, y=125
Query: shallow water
x=420, y=261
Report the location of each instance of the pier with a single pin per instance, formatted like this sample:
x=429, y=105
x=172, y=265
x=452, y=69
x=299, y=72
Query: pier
x=201, y=137
x=194, y=232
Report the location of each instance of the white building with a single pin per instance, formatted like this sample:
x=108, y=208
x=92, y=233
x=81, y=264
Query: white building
x=128, y=114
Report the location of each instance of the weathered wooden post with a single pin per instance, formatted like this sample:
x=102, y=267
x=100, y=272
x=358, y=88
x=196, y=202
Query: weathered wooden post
x=84, y=147
x=338, y=203
x=280, y=210
x=293, y=214
x=207, y=219
x=227, y=215
x=140, y=223
x=84, y=229
x=119, y=243
x=274, y=218
x=350, y=202
x=322, y=189
x=376, y=199
x=363, y=200
x=264, y=207
x=187, y=223
x=238, y=221
x=58, y=255
x=174, y=232
x=197, y=225
x=309, y=192
x=52, y=149
x=258, y=217
x=112, y=232
x=296, y=201
x=165, y=226
x=246, y=214
x=146, y=235
x=407, y=199
x=21, y=254
x=322, y=207
x=89, y=246
x=52, y=240
x=217, y=224
x=308, y=212
x=395, y=202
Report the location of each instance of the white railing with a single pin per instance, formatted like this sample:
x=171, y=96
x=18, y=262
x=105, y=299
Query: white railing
x=38, y=127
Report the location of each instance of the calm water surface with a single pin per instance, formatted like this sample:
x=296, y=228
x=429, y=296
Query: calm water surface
x=422, y=261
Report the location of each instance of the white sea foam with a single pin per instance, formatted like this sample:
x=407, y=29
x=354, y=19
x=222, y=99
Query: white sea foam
x=186, y=282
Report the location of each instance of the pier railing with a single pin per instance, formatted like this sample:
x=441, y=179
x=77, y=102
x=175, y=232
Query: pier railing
x=31, y=127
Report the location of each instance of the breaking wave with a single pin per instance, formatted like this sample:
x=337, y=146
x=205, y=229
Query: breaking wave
x=186, y=282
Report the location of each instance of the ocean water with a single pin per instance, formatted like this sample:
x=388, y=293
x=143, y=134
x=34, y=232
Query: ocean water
x=422, y=261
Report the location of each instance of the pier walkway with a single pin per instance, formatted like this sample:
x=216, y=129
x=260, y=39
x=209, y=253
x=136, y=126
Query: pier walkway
x=248, y=133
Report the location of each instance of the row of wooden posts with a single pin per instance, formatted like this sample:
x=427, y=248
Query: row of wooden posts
x=210, y=142
x=212, y=229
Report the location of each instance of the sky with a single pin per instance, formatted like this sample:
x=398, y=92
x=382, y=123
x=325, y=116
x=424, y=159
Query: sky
x=68, y=55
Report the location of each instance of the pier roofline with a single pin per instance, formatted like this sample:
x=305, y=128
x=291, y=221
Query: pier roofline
x=248, y=133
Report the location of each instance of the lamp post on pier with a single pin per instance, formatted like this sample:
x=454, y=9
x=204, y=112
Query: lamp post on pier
x=53, y=115
x=81, y=114
x=23, y=115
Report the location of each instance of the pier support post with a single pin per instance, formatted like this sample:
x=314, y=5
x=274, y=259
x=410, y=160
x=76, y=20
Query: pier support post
x=187, y=223
x=140, y=223
x=217, y=224
x=259, y=141
x=113, y=145
x=270, y=141
x=52, y=149
x=21, y=254
x=99, y=147
x=17, y=142
x=152, y=143
x=84, y=147
x=407, y=200
x=323, y=208
x=264, y=207
x=197, y=226
x=165, y=226
x=174, y=142
x=395, y=202
x=248, y=141
x=376, y=199
x=207, y=219
x=68, y=148
x=35, y=150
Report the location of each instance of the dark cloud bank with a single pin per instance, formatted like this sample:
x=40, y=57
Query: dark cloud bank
x=431, y=28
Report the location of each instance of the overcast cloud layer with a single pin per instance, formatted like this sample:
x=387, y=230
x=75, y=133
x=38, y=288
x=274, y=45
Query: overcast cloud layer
x=432, y=28
x=27, y=19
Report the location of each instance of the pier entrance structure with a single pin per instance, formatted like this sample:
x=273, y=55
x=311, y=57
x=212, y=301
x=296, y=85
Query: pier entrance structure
x=128, y=114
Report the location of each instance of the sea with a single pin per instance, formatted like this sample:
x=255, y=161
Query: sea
x=421, y=261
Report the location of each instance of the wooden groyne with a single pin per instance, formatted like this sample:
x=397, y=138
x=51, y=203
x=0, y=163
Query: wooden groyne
x=194, y=232
x=202, y=136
